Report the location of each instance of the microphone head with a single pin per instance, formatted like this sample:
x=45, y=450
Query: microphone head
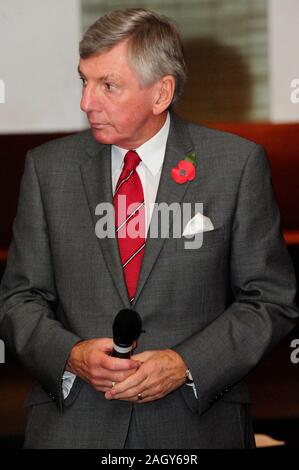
x=126, y=327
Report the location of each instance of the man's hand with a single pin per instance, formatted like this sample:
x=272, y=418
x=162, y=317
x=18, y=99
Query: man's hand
x=90, y=360
x=161, y=372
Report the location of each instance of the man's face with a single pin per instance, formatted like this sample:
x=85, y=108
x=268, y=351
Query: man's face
x=119, y=110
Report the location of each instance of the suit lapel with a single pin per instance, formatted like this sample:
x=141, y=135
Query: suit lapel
x=178, y=145
x=97, y=182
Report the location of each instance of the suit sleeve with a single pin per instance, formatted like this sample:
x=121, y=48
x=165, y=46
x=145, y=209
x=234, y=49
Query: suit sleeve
x=263, y=284
x=28, y=296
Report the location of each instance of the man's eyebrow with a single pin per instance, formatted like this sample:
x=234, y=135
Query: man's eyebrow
x=108, y=77
x=104, y=78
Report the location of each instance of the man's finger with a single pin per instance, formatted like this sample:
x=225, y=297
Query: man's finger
x=129, y=392
x=115, y=363
x=122, y=388
x=117, y=376
x=145, y=398
x=144, y=356
x=105, y=343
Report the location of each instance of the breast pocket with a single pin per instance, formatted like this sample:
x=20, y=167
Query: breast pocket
x=201, y=243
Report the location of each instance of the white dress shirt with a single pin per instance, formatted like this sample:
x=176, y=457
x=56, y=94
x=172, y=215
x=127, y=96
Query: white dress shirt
x=152, y=154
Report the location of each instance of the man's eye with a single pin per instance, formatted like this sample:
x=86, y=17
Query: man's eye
x=109, y=86
x=83, y=80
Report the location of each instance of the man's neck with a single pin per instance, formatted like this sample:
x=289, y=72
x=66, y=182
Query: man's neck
x=153, y=129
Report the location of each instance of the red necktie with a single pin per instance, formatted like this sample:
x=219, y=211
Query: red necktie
x=130, y=220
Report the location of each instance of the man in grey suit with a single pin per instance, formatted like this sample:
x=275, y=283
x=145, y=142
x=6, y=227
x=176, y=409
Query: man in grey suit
x=210, y=313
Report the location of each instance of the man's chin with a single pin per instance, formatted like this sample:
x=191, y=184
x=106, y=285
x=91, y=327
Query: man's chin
x=101, y=136
x=110, y=137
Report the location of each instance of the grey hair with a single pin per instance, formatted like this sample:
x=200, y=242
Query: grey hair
x=154, y=44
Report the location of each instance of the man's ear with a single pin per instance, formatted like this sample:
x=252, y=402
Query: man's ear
x=164, y=94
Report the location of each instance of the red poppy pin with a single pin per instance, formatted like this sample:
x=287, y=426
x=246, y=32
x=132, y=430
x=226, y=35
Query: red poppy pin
x=185, y=171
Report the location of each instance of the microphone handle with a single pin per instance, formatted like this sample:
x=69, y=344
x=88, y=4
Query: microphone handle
x=121, y=351
x=121, y=355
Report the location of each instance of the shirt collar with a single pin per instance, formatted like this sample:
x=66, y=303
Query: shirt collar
x=151, y=152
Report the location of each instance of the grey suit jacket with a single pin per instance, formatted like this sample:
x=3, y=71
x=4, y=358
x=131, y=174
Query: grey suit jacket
x=222, y=306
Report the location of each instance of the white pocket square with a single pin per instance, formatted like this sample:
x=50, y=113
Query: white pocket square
x=199, y=223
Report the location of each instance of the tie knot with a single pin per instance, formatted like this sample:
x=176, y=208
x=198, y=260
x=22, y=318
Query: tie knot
x=132, y=160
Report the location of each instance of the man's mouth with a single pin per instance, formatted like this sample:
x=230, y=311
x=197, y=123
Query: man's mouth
x=97, y=125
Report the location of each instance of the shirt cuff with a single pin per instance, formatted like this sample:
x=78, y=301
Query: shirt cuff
x=191, y=384
x=68, y=379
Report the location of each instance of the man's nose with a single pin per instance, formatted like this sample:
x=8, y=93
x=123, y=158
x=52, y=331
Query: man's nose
x=89, y=102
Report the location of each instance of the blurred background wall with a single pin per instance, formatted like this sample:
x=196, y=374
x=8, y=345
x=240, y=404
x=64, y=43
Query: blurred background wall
x=242, y=58
x=38, y=61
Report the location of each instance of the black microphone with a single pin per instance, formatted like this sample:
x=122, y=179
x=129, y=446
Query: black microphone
x=126, y=329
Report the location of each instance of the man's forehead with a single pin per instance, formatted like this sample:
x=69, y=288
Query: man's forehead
x=103, y=64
